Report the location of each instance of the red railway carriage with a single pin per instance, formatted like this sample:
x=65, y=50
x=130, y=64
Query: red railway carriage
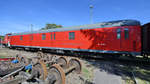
x=123, y=37
x=6, y=41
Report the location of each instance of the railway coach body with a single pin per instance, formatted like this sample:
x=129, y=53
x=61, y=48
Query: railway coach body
x=123, y=36
x=6, y=41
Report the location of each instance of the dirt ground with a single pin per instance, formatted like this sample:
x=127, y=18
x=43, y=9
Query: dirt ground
x=98, y=71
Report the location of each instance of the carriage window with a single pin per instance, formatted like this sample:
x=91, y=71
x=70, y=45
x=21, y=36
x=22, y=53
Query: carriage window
x=71, y=35
x=21, y=37
x=51, y=36
x=54, y=35
x=118, y=33
x=43, y=36
x=126, y=33
x=31, y=37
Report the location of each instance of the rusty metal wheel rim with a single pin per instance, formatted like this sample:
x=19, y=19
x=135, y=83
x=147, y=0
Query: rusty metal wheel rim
x=59, y=74
x=75, y=62
x=22, y=60
x=40, y=54
x=63, y=61
x=42, y=69
x=27, y=61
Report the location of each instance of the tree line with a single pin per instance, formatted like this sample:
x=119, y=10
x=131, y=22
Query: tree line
x=51, y=26
x=2, y=37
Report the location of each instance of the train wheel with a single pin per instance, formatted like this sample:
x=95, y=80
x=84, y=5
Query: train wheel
x=58, y=73
x=40, y=67
x=27, y=61
x=45, y=57
x=40, y=54
x=22, y=60
x=50, y=57
x=63, y=62
x=76, y=63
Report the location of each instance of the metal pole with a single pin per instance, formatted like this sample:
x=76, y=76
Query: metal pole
x=31, y=27
x=1, y=42
x=91, y=13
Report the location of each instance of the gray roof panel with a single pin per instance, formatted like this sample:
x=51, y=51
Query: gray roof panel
x=88, y=26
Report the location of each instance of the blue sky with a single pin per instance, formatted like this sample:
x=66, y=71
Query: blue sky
x=17, y=15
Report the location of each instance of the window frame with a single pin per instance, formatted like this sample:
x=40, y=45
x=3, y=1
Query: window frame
x=54, y=36
x=126, y=33
x=71, y=35
x=21, y=38
x=43, y=36
x=51, y=36
x=31, y=37
x=118, y=33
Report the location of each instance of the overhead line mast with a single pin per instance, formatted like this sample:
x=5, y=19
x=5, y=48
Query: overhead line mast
x=91, y=12
x=31, y=27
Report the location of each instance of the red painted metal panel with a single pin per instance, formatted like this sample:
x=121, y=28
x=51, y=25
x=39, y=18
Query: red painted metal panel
x=96, y=39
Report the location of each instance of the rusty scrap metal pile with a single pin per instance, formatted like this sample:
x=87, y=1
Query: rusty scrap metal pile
x=43, y=69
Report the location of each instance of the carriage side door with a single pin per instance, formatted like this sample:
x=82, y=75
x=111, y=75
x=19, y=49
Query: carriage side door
x=30, y=40
x=126, y=41
x=119, y=37
x=53, y=37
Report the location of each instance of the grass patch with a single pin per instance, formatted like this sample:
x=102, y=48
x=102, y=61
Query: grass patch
x=87, y=73
x=142, y=75
x=129, y=81
x=140, y=81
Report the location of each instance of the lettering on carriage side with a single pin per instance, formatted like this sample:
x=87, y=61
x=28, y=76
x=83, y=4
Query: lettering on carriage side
x=71, y=44
x=101, y=44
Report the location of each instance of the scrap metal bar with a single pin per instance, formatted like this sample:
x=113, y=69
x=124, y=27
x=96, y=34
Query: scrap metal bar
x=14, y=81
x=70, y=69
x=27, y=76
x=136, y=81
x=13, y=73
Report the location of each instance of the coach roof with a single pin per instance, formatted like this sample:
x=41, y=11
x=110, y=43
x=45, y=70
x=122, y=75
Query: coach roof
x=88, y=26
